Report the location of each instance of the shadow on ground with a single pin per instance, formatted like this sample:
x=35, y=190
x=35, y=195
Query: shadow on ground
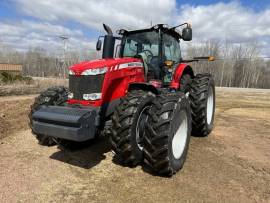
x=89, y=154
x=85, y=155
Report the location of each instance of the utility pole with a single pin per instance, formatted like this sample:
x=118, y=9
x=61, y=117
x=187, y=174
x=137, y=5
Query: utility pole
x=64, y=39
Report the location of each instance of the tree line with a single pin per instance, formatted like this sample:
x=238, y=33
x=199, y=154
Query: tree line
x=38, y=62
x=235, y=66
x=238, y=65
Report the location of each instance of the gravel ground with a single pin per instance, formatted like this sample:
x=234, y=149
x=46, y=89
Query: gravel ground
x=231, y=165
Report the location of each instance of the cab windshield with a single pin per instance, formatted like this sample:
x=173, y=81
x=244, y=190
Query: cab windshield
x=137, y=43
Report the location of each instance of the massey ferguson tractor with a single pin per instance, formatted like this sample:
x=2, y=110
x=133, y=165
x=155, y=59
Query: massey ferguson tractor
x=141, y=94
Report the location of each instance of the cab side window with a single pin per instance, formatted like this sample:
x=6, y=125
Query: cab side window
x=130, y=48
x=171, y=48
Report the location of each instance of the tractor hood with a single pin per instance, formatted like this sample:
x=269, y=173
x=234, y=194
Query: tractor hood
x=77, y=69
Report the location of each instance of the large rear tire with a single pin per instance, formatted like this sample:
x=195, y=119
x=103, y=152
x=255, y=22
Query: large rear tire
x=128, y=123
x=202, y=102
x=53, y=96
x=168, y=134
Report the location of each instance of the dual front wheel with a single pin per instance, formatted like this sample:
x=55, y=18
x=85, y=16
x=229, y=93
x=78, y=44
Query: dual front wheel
x=152, y=128
x=157, y=129
x=128, y=124
x=167, y=134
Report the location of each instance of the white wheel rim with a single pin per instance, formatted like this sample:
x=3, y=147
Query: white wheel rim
x=180, y=138
x=210, y=106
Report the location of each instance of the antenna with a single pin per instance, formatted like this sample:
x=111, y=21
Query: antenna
x=64, y=39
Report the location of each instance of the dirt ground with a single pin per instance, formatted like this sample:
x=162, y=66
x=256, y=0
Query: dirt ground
x=231, y=165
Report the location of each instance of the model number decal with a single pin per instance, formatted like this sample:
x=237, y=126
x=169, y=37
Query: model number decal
x=132, y=64
x=126, y=65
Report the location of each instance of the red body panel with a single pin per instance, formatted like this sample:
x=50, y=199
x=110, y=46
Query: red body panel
x=116, y=80
x=118, y=77
x=100, y=63
x=175, y=84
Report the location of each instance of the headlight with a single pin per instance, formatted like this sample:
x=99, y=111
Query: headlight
x=71, y=72
x=95, y=71
x=93, y=96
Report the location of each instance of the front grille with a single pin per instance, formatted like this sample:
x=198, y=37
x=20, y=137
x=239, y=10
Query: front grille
x=85, y=84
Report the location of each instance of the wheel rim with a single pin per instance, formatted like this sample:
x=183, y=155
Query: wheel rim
x=142, y=119
x=210, y=106
x=180, y=138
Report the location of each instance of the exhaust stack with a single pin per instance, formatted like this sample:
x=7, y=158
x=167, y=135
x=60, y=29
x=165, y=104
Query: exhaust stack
x=109, y=42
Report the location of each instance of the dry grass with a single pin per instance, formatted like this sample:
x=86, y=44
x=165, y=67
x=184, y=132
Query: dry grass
x=38, y=85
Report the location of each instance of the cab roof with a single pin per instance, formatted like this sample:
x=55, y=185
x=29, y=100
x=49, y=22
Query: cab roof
x=163, y=27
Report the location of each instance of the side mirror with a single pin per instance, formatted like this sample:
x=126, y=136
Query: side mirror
x=187, y=34
x=98, y=45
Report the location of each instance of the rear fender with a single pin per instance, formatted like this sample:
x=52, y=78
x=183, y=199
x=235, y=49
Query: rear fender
x=180, y=70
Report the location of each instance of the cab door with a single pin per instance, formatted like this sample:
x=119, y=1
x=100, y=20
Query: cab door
x=171, y=55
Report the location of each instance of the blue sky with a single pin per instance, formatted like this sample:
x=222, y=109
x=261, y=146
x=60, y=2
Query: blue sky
x=253, y=4
x=38, y=23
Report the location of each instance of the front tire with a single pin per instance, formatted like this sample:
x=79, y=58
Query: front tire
x=185, y=83
x=128, y=123
x=168, y=134
x=202, y=102
x=53, y=96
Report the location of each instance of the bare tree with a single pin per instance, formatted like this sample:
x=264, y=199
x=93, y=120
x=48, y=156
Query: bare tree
x=237, y=65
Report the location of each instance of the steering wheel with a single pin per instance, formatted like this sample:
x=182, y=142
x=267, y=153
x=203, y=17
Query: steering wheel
x=148, y=54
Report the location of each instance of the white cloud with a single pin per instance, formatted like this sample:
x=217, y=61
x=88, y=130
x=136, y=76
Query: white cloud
x=25, y=34
x=118, y=13
x=230, y=21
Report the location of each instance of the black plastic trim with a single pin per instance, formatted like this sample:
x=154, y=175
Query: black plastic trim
x=76, y=124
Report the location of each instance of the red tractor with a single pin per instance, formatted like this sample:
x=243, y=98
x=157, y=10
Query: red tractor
x=147, y=100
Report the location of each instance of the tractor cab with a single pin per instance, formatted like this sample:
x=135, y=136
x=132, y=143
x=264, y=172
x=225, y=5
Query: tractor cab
x=158, y=47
